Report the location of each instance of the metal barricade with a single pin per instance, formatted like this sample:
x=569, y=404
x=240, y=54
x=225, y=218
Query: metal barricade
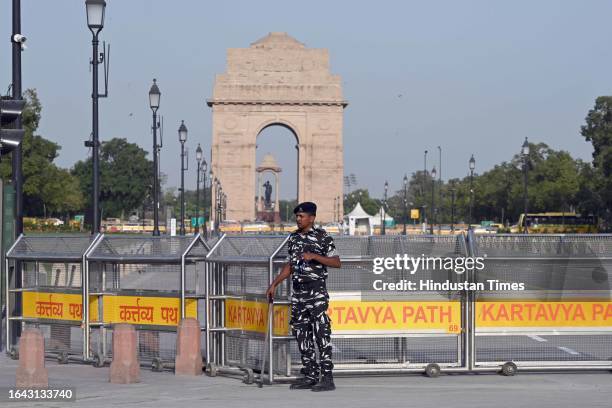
x=149, y=282
x=369, y=335
x=562, y=320
x=50, y=293
x=76, y=287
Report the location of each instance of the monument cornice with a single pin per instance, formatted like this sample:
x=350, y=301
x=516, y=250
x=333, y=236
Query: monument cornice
x=212, y=102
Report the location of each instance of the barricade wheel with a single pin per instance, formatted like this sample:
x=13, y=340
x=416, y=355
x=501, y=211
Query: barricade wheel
x=509, y=369
x=14, y=354
x=248, y=377
x=211, y=370
x=432, y=370
x=98, y=361
x=157, y=365
x=62, y=358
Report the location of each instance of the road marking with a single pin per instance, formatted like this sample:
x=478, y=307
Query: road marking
x=536, y=338
x=568, y=350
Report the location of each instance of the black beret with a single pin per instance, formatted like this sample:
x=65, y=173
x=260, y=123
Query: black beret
x=306, y=207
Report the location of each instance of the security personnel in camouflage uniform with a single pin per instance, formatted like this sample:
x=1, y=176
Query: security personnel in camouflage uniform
x=311, y=251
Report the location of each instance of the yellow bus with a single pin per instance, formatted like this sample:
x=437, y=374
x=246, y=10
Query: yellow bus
x=556, y=222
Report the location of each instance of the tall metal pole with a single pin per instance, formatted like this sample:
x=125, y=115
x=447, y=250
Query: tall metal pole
x=424, y=184
x=383, y=211
x=182, y=188
x=17, y=178
x=432, y=211
x=197, y=209
x=17, y=170
x=155, y=177
x=405, y=204
x=452, y=210
x=95, y=225
x=439, y=186
x=525, y=203
x=204, y=205
x=471, y=198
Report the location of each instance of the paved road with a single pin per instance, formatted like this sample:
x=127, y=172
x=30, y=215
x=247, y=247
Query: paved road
x=474, y=390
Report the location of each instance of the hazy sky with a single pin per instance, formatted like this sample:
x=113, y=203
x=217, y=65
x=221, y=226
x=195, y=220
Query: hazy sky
x=474, y=76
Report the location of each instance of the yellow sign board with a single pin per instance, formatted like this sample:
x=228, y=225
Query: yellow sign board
x=523, y=314
x=57, y=306
x=352, y=316
x=159, y=311
x=414, y=214
x=253, y=316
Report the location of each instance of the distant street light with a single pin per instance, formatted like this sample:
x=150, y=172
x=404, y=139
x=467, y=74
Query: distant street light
x=525, y=155
x=182, y=131
x=382, y=210
x=433, y=203
x=198, y=170
x=423, y=188
x=154, y=99
x=405, y=202
x=335, y=208
x=453, y=190
x=472, y=165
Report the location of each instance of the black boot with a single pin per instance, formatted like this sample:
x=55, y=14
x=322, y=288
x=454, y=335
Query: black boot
x=303, y=384
x=326, y=384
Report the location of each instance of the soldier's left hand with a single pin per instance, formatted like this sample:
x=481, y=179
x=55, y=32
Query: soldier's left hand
x=309, y=256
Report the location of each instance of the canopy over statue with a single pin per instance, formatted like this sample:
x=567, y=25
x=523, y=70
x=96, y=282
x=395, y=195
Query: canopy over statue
x=265, y=209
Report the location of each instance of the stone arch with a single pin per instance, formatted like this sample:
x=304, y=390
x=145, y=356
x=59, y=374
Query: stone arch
x=278, y=81
x=279, y=122
x=292, y=129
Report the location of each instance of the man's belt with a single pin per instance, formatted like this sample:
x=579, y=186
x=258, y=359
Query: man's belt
x=315, y=284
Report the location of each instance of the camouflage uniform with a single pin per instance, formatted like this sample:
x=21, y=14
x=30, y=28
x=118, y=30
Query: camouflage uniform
x=310, y=300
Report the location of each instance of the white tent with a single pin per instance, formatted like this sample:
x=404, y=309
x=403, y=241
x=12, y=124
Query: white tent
x=389, y=221
x=359, y=221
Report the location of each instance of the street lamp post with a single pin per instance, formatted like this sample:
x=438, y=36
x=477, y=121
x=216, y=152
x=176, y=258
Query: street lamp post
x=95, y=21
x=197, y=209
x=472, y=165
x=182, y=131
x=453, y=209
x=405, y=202
x=382, y=210
x=203, y=170
x=424, y=183
x=217, y=200
x=525, y=154
x=154, y=98
x=433, y=203
x=335, y=208
x=223, y=206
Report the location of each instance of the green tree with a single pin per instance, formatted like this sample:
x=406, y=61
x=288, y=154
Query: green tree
x=598, y=131
x=47, y=188
x=126, y=177
x=370, y=205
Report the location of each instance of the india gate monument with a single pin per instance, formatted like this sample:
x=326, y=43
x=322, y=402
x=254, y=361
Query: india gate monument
x=278, y=81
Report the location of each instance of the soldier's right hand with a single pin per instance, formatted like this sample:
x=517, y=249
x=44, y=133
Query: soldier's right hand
x=270, y=293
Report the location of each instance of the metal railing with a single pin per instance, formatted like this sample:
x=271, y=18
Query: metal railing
x=561, y=320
